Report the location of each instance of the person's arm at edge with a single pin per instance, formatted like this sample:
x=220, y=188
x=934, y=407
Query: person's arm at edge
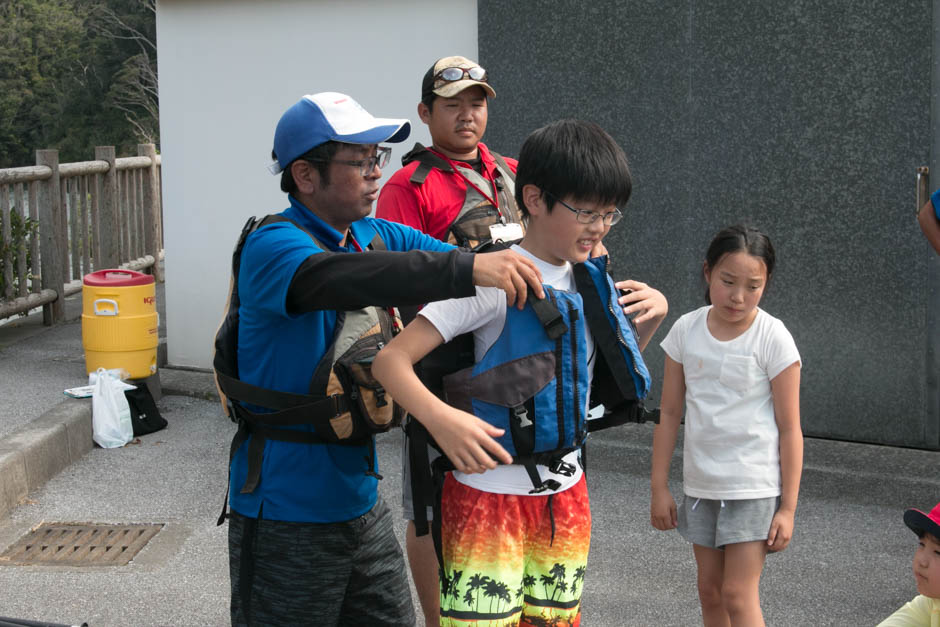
x=467, y=441
x=785, y=388
x=662, y=504
x=929, y=224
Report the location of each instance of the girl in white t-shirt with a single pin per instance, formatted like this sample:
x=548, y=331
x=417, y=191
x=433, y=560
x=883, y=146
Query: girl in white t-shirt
x=737, y=371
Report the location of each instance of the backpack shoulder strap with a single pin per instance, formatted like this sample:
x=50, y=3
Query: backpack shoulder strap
x=504, y=168
x=377, y=243
x=427, y=161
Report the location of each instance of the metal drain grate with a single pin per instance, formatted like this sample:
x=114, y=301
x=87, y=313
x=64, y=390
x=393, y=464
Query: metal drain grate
x=80, y=544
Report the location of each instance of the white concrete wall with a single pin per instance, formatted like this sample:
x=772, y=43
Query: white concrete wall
x=227, y=72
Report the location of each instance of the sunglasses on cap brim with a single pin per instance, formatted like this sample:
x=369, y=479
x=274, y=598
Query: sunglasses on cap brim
x=451, y=74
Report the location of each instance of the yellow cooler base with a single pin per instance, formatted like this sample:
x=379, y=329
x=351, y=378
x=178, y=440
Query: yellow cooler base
x=138, y=364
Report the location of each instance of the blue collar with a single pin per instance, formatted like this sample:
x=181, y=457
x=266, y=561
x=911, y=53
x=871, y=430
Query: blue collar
x=362, y=230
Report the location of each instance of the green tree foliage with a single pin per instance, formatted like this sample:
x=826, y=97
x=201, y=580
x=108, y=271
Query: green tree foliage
x=68, y=74
x=21, y=229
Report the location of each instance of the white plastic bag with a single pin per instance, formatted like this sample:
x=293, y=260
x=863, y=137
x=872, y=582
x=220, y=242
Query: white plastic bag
x=110, y=413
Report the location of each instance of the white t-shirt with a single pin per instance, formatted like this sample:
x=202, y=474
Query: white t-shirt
x=485, y=315
x=732, y=448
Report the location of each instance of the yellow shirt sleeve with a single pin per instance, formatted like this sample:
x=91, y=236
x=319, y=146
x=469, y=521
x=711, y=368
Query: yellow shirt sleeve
x=920, y=612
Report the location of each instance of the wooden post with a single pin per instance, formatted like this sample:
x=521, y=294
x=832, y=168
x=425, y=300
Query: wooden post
x=107, y=211
x=75, y=228
x=151, y=208
x=7, y=238
x=85, y=238
x=22, y=268
x=34, y=240
x=50, y=208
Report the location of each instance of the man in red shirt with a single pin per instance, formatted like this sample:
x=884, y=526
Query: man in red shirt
x=457, y=189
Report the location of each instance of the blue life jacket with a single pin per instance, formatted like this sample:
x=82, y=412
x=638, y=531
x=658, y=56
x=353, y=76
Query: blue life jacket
x=532, y=382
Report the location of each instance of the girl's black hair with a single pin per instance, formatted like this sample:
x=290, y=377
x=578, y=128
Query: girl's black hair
x=738, y=238
x=576, y=159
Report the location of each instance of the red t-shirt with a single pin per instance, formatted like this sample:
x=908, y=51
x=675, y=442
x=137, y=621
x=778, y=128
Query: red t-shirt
x=432, y=206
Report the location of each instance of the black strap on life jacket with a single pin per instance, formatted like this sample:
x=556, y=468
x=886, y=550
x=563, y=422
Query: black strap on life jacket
x=428, y=160
x=613, y=381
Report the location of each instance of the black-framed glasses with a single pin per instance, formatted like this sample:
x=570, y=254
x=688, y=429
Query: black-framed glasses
x=590, y=217
x=451, y=74
x=367, y=165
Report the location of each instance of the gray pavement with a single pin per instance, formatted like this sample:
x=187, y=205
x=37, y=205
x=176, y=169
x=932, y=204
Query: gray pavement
x=849, y=563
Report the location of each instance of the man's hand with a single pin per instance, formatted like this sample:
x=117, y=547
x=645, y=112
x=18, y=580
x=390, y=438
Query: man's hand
x=468, y=441
x=510, y=272
x=642, y=298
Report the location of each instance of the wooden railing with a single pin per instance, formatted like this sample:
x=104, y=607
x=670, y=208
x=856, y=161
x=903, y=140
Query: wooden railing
x=75, y=218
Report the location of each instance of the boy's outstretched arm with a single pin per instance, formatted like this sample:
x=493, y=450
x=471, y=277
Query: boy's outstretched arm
x=466, y=440
x=786, y=393
x=662, y=505
x=650, y=305
x=929, y=224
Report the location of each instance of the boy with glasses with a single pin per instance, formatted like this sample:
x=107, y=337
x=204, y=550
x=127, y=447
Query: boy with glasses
x=310, y=541
x=458, y=191
x=514, y=517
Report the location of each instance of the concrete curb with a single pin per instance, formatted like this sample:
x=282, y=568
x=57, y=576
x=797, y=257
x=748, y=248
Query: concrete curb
x=37, y=452
x=44, y=447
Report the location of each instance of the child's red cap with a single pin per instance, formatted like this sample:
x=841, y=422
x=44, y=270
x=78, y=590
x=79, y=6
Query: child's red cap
x=920, y=522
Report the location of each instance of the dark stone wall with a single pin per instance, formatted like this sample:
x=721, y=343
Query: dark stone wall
x=805, y=119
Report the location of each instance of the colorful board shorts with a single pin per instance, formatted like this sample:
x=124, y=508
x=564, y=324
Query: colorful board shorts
x=502, y=565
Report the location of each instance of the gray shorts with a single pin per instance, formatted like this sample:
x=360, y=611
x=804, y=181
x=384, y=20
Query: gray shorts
x=714, y=524
x=407, y=502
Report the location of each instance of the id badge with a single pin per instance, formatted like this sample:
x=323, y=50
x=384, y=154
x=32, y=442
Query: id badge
x=506, y=232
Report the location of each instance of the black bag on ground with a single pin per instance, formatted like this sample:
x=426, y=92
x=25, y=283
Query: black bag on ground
x=144, y=414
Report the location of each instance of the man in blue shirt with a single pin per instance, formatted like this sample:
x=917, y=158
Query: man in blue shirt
x=310, y=541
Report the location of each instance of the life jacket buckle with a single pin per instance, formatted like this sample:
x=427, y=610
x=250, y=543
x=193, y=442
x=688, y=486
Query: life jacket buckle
x=520, y=413
x=547, y=484
x=561, y=467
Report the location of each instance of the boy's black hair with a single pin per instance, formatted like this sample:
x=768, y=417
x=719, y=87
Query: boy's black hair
x=574, y=159
x=740, y=238
x=318, y=156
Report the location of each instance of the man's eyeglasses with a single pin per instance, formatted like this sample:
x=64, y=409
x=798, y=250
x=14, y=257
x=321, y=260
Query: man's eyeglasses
x=367, y=165
x=451, y=74
x=590, y=217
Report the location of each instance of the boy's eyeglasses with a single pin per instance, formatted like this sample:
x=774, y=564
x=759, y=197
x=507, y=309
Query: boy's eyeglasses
x=380, y=158
x=451, y=74
x=589, y=217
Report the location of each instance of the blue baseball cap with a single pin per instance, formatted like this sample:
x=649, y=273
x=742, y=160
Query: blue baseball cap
x=330, y=116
